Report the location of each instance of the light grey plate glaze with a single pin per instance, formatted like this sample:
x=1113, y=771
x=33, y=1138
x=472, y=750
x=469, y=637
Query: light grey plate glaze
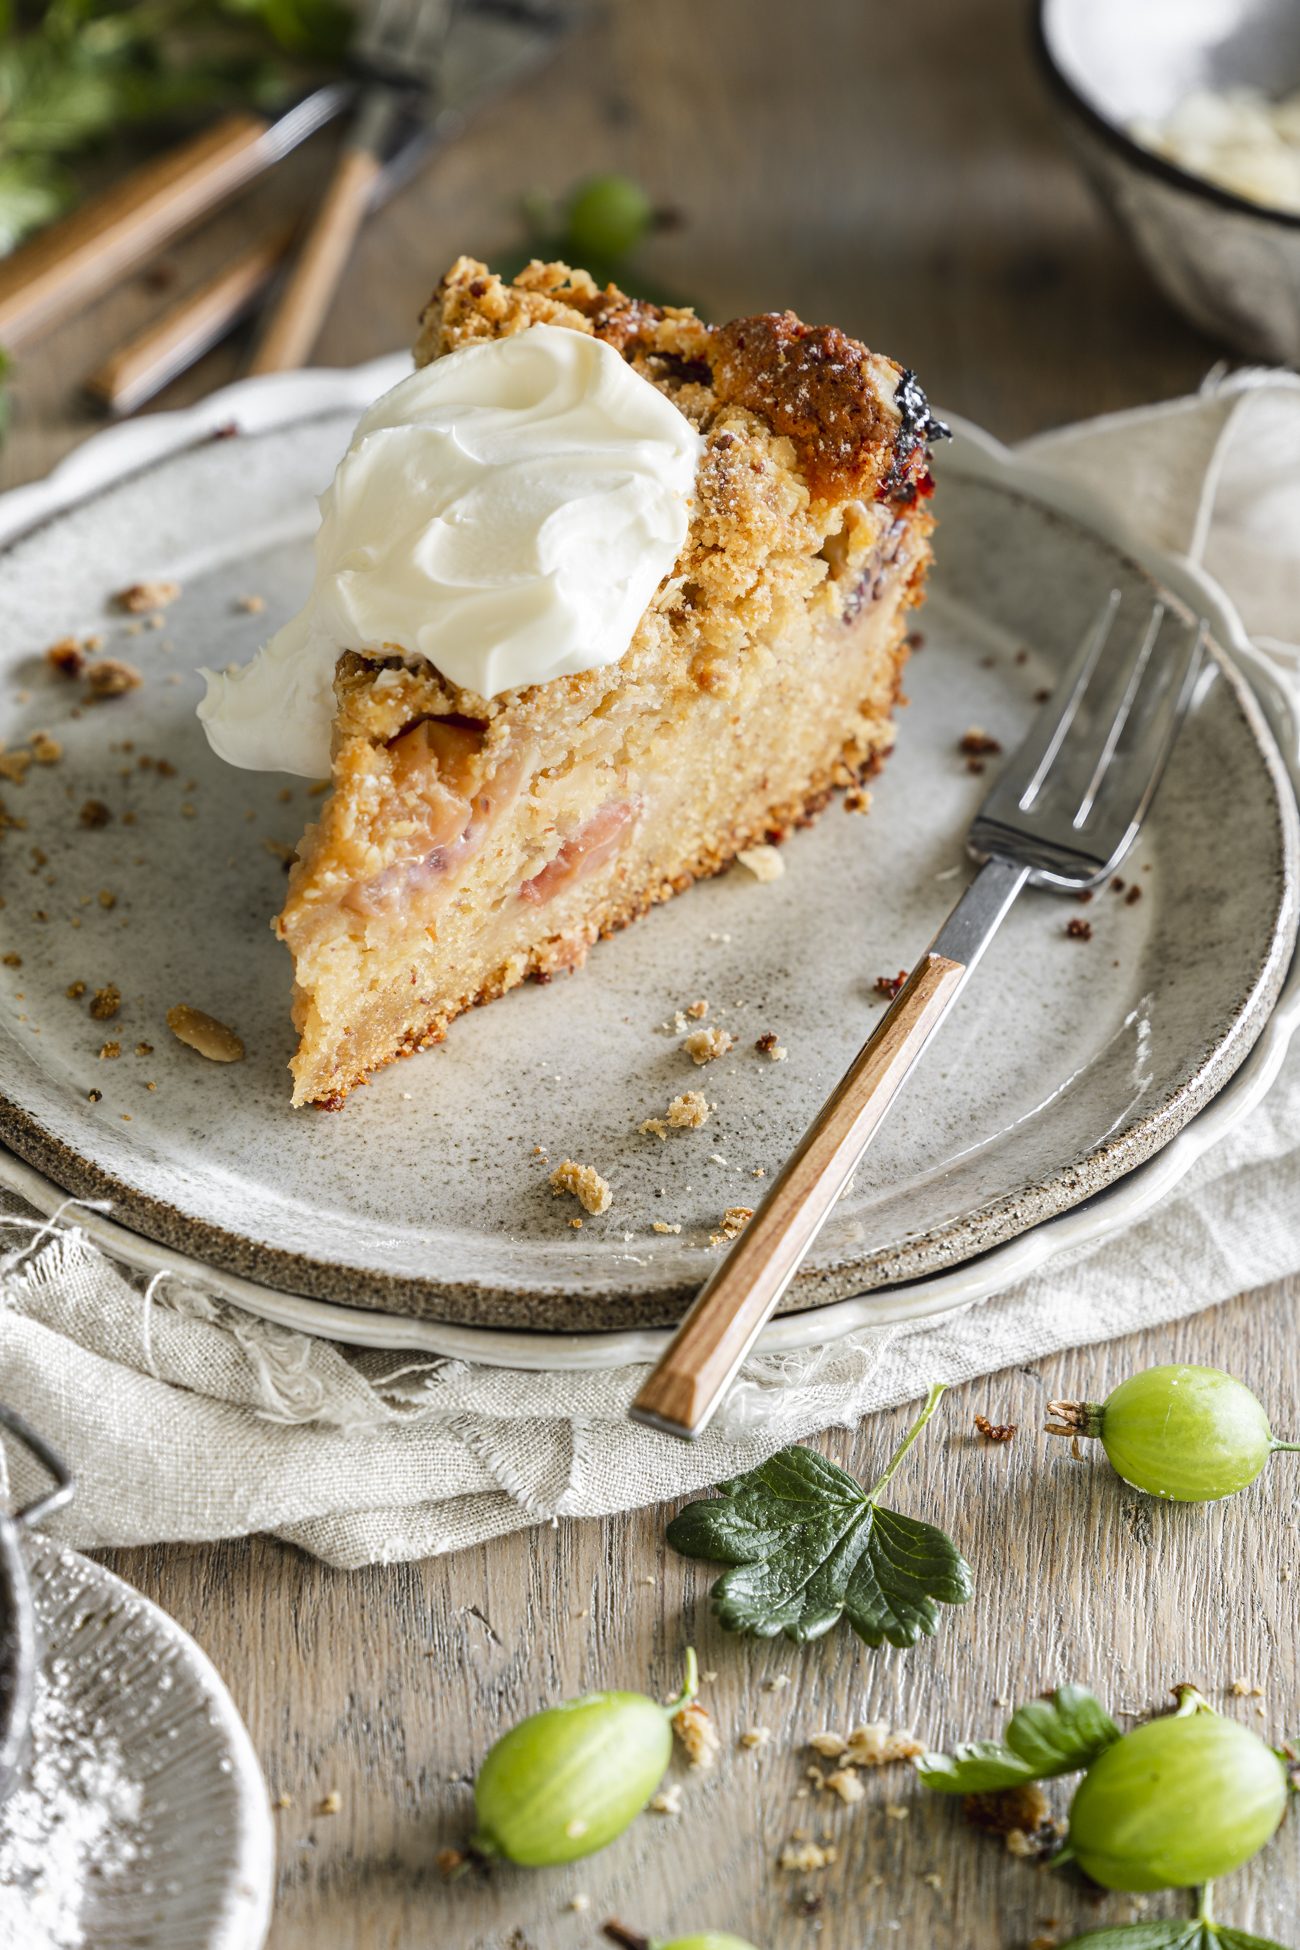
x=1068, y=1064
x=191, y=1859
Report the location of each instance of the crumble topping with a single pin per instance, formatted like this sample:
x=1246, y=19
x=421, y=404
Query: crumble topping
x=584, y=1183
x=698, y=1010
x=695, y=1728
x=689, y=1111
x=706, y=1045
x=67, y=657
x=105, y=1002
x=770, y=1045
x=995, y=1431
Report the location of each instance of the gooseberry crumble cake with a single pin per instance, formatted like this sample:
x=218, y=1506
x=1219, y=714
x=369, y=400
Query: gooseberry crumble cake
x=470, y=841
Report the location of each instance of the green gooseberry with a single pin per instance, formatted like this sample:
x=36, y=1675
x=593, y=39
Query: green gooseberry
x=607, y=217
x=1190, y=1434
x=565, y=1782
x=1178, y=1801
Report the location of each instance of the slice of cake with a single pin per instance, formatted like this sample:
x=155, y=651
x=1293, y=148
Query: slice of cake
x=745, y=544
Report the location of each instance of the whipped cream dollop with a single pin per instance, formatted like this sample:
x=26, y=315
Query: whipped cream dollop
x=507, y=512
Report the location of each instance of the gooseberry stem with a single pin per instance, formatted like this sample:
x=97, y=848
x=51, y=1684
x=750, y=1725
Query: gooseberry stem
x=1190, y=1701
x=932, y=1400
x=1293, y=1446
x=628, y=1939
x=1075, y=1418
x=1203, y=1914
x=690, y=1685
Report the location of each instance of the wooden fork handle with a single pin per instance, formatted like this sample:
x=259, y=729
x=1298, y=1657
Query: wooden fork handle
x=74, y=260
x=300, y=307
x=683, y=1389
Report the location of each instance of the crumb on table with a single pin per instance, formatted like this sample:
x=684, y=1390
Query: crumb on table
x=770, y=1045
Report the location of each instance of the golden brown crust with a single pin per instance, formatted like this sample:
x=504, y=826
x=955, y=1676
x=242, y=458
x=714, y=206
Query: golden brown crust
x=811, y=384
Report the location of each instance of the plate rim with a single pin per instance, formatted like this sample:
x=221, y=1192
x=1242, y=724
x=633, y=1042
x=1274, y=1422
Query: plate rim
x=261, y=405
x=245, y=1919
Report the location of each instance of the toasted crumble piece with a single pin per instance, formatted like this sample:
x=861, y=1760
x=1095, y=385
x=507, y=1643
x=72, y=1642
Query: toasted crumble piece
x=1245, y=1689
x=75, y=991
x=14, y=766
x=111, y=677
x=1002, y=1811
x=668, y=1801
x=12, y=960
x=662, y=1225
x=889, y=985
x=689, y=1111
x=735, y=1219
x=107, y=898
x=1078, y=929
x=874, y=1745
x=584, y=1183
x=846, y=1784
x=105, y=1002
x=109, y=1051
x=764, y=862
x=695, y=1728
x=66, y=657
x=804, y=1857
x=251, y=605
x=330, y=1803
x=698, y=1010
x=706, y=1045
x=995, y=1431
x=654, y=1127
x=95, y=813
x=94, y=1096
x=755, y=1737
x=141, y=596
x=45, y=750
x=770, y=1045
x=203, y=1033
x=857, y=800
x=977, y=743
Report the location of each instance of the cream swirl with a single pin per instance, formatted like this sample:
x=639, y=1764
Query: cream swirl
x=507, y=512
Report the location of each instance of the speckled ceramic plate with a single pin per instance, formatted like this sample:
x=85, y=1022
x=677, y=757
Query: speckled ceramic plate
x=1068, y=1063
x=139, y=1819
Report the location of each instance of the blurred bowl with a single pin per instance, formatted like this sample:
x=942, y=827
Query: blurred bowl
x=1231, y=265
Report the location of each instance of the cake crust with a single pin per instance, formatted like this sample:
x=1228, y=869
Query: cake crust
x=469, y=842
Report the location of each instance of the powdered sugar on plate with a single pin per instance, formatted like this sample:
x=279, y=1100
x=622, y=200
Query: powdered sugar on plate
x=72, y=1817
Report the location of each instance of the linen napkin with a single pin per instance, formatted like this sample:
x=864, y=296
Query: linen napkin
x=187, y=1418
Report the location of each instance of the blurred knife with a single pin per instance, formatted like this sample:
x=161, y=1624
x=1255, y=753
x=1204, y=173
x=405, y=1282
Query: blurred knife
x=75, y=259
x=170, y=345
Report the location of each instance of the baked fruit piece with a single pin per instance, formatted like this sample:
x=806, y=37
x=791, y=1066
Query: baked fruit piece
x=468, y=842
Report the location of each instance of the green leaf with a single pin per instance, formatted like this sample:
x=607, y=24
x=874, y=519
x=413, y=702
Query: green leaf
x=1194, y=1934
x=1044, y=1738
x=1174, y=1935
x=810, y=1546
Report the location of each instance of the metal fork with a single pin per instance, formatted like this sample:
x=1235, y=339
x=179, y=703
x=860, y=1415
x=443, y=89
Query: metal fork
x=397, y=53
x=1063, y=813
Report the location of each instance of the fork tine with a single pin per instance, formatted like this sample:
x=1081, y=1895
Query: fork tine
x=1050, y=729
x=1139, y=753
x=1128, y=681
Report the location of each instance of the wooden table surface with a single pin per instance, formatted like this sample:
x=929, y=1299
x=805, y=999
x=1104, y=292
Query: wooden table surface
x=895, y=170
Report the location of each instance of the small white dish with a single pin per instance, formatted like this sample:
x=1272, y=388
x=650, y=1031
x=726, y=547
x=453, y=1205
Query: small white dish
x=139, y=1819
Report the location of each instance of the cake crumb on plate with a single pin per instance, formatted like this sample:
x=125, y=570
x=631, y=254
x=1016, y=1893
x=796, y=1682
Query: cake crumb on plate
x=584, y=1183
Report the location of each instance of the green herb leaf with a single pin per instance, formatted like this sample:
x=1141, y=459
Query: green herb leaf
x=1175, y=1935
x=1196, y=1934
x=810, y=1546
x=1046, y=1737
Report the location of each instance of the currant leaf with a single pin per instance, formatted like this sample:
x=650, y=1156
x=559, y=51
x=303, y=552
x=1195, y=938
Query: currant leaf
x=808, y=1545
x=1045, y=1737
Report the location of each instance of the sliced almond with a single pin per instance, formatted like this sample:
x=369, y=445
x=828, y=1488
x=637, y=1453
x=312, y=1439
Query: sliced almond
x=205, y=1034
